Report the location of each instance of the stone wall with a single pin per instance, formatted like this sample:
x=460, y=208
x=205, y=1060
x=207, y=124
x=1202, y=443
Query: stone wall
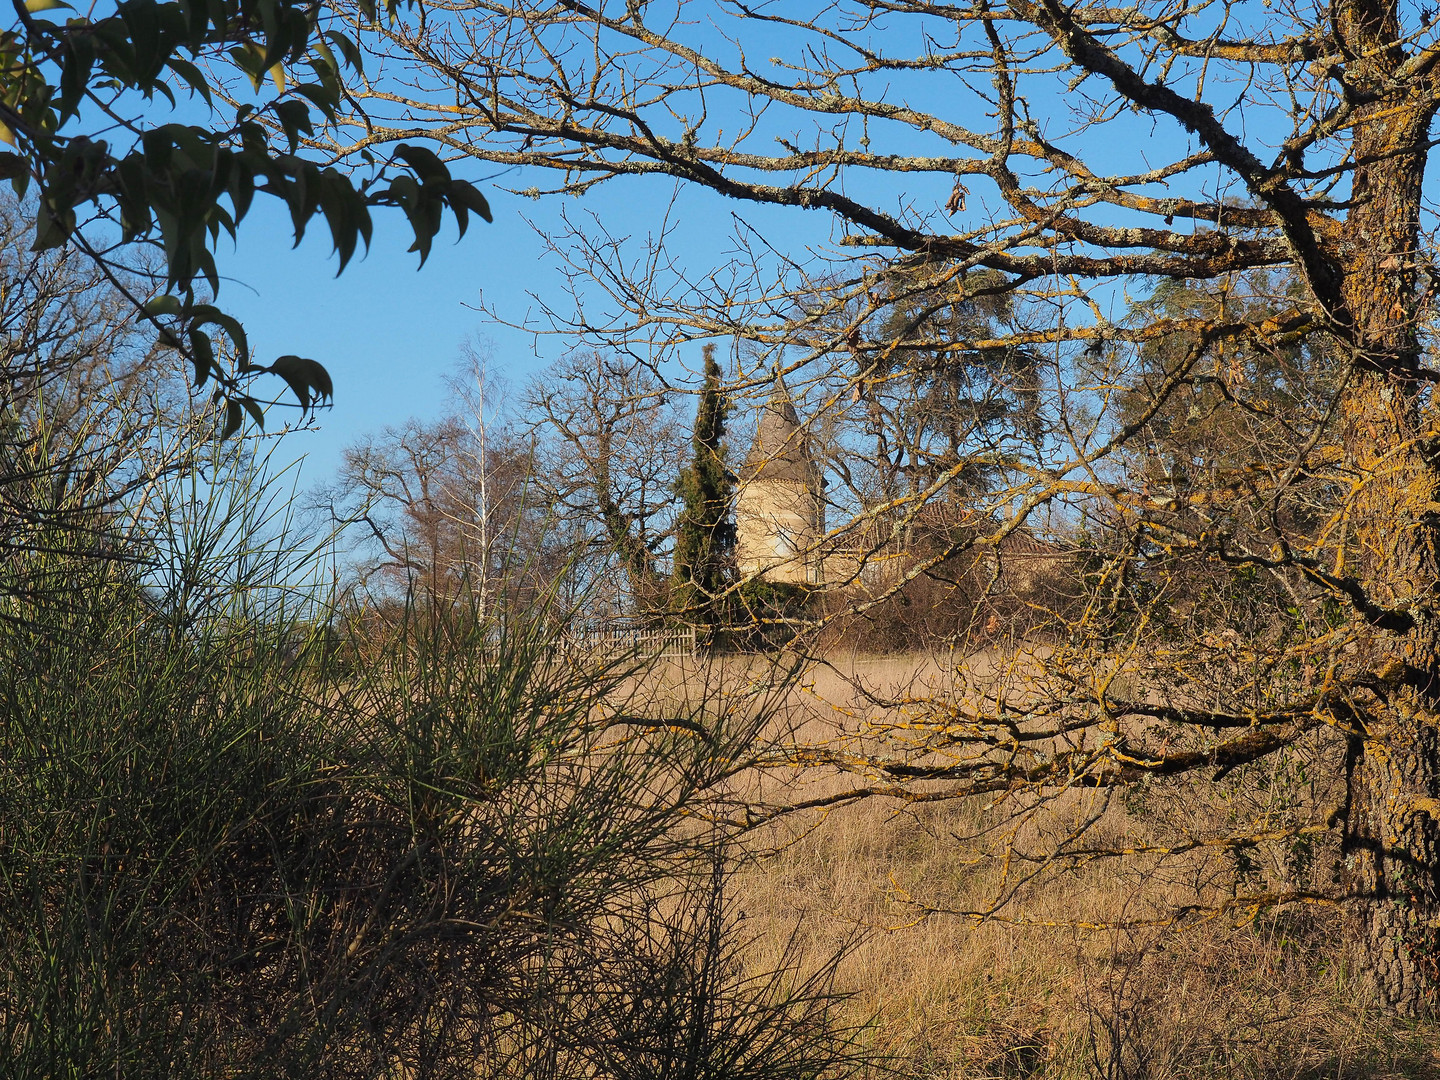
x=777, y=525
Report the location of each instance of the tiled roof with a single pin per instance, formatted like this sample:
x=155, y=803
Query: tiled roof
x=781, y=450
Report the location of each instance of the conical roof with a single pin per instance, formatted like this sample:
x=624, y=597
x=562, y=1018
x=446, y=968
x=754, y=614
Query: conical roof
x=780, y=450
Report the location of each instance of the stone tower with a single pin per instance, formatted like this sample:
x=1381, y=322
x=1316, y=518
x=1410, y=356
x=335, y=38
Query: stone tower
x=780, y=512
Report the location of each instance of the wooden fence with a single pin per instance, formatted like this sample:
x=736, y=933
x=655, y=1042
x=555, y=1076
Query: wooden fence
x=623, y=639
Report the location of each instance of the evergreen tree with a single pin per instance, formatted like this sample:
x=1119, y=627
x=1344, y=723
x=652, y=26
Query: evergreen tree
x=936, y=404
x=705, y=535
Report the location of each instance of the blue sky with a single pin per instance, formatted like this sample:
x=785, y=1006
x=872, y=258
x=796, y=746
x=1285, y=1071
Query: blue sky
x=390, y=333
x=387, y=331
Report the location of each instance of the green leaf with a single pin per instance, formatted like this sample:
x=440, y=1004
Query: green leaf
x=205, y=314
x=256, y=413
x=294, y=117
x=197, y=22
x=348, y=50
x=202, y=355
x=234, y=417
x=200, y=256
x=250, y=59
x=158, y=145
x=51, y=229
x=217, y=11
x=323, y=50
x=143, y=24
x=270, y=21
x=220, y=218
x=120, y=61
x=75, y=73
x=345, y=213
x=403, y=192
x=324, y=96
x=241, y=186
x=308, y=380
x=192, y=76
x=133, y=196
x=302, y=195
x=425, y=162
x=174, y=26
x=294, y=38
x=34, y=7
x=464, y=196
x=163, y=304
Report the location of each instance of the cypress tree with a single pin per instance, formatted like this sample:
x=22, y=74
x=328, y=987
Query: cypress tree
x=705, y=535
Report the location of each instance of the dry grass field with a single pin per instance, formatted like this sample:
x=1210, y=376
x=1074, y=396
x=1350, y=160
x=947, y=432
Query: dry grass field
x=1046, y=996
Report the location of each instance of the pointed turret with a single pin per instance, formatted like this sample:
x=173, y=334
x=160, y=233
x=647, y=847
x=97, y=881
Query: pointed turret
x=779, y=514
x=780, y=450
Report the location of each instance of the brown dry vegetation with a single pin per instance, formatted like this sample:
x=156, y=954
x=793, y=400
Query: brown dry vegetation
x=1082, y=974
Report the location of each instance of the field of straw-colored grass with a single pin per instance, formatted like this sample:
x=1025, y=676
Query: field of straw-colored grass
x=951, y=997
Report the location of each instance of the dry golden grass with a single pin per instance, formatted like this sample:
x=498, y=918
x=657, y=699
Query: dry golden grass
x=950, y=998
x=955, y=998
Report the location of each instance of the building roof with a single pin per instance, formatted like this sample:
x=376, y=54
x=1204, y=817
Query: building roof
x=781, y=450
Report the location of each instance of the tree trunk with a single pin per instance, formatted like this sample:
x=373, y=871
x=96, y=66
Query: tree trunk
x=1392, y=837
x=1392, y=834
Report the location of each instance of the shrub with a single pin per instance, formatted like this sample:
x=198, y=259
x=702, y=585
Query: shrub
x=222, y=854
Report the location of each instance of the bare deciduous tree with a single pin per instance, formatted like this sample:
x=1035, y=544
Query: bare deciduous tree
x=92, y=415
x=611, y=443
x=1059, y=160
x=451, y=508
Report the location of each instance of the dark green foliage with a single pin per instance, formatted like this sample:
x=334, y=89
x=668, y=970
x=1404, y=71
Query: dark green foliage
x=1217, y=418
x=769, y=613
x=705, y=535
x=177, y=187
x=1213, y=406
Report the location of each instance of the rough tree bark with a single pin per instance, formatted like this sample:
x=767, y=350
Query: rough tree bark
x=1392, y=838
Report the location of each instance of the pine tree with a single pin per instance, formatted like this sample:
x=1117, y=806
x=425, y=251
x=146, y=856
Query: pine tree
x=705, y=535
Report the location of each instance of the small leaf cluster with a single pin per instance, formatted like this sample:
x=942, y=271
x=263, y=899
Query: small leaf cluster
x=179, y=186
